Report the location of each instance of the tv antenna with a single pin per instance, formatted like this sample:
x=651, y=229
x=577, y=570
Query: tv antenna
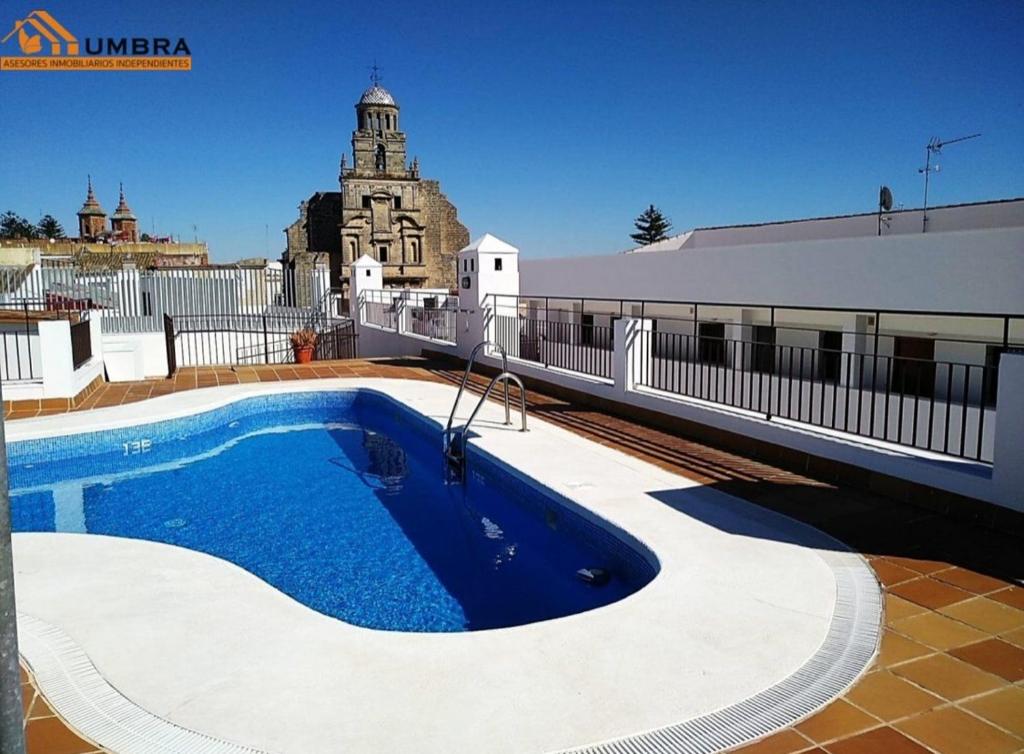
x=934, y=146
x=884, y=205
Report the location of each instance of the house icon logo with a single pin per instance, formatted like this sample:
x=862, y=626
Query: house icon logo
x=62, y=41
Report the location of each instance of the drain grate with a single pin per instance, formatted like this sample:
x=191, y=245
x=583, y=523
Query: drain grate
x=848, y=648
x=75, y=688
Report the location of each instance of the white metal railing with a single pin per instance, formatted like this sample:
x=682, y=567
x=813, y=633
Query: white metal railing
x=136, y=300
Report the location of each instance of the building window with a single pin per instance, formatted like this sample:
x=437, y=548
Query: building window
x=913, y=366
x=416, y=251
x=711, y=343
x=990, y=375
x=366, y=201
x=830, y=356
x=762, y=356
x=381, y=159
x=382, y=254
x=472, y=265
x=398, y=202
x=497, y=264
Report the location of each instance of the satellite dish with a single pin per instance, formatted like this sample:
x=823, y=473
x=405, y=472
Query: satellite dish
x=885, y=199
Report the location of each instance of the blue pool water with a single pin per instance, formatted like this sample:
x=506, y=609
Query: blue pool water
x=337, y=499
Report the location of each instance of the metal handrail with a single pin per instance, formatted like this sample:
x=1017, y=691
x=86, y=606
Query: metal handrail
x=465, y=379
x=503, y=377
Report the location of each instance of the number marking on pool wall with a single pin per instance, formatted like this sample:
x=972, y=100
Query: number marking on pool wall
x=137, y=446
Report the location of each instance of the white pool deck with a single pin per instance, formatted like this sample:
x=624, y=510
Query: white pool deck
x=744, y=602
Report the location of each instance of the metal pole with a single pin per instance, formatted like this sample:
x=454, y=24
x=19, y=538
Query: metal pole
x=12, y=721
x=927, y=174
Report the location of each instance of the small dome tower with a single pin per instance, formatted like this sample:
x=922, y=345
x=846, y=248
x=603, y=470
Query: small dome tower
x=92, y=218
x=123, y=222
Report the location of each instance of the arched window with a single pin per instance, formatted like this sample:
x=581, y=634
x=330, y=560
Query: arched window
x=381, y=158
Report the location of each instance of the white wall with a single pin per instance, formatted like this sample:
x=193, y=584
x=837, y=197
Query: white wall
x=968, y=271
x=151, y=344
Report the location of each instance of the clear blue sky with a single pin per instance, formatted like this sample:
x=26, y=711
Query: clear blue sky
x=550, y=124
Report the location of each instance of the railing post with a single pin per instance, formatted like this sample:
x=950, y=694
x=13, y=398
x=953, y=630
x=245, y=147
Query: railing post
x=266, y=342
x=1008, y=451
x=543, y=339
x=632, y=347
x=28, y=342
x=12, y=718
x=771, y=367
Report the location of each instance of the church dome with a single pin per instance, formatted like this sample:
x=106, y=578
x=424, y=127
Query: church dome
x=377, y=95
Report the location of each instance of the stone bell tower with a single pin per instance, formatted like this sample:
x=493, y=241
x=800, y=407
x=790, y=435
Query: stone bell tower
x=92, y=218
x=123, y=223
x=378, y=146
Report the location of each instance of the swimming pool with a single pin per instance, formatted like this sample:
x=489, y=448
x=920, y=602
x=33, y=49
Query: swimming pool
x=337, y=499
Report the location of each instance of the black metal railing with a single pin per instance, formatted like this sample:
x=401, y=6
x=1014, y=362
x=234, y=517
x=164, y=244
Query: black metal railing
x=941, y=406
x=916, y=378
x=337, y=342
x=81, y=343
x=576, y=347
x=19, y=335
x=16, y=331
x=240, y=339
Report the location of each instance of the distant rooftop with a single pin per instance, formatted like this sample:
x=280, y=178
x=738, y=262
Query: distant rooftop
x=1001, y=213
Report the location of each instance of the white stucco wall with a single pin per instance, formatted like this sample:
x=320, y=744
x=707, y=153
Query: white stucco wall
x=966, y=271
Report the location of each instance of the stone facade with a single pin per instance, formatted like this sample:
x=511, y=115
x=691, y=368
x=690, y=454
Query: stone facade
x=384, y=209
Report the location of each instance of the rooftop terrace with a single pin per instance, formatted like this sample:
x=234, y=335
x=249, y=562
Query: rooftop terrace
x=949, y=675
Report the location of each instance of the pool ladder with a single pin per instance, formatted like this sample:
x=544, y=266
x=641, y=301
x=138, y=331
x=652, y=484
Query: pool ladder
x=454, y=439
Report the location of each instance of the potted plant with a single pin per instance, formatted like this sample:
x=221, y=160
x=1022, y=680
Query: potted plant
x=303, y=343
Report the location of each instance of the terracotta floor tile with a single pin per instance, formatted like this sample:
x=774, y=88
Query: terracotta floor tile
x=921, y=566
x=930, y=593
x=40, y=708
x=896, y=649
x=986, y=614
x=1016, y=638
x=889, y=697
x=949, y=678
x=786, y=741
x=839, y=720
x=50, y=736
x=890, y=574
x=1014, y=597
x=1004, y=708
x=996, y=657
x=938, y=631
x=971, y=581
x=877, y=741
x=952, y=731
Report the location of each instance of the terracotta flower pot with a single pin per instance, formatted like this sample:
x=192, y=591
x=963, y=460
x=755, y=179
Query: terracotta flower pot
x=304, y=355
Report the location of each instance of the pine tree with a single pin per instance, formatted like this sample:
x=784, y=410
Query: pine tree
x=651, y=226
x=48, y=227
